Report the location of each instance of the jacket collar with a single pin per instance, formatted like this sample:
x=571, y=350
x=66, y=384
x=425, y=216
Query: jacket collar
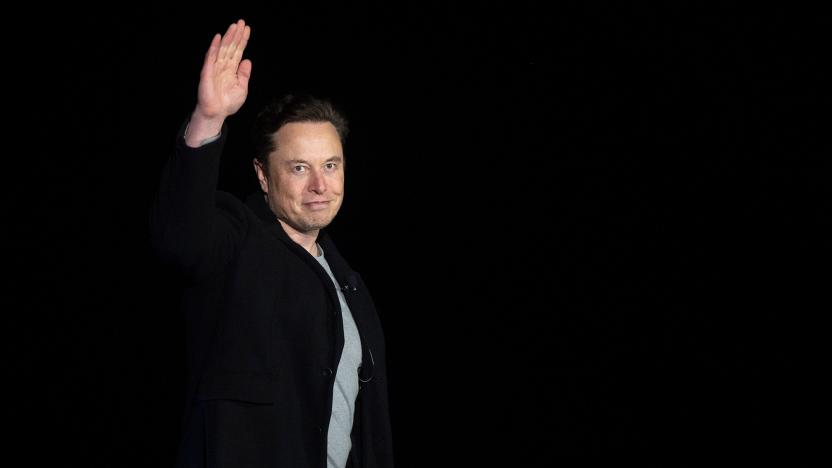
x=343, y=273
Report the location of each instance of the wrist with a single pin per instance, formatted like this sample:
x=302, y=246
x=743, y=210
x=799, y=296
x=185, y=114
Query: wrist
x=202, y=130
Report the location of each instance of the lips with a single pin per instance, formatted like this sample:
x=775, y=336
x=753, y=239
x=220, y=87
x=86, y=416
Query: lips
x=317, y=205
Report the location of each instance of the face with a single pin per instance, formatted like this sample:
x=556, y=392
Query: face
x=304, y=181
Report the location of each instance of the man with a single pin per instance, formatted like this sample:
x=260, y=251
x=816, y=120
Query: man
x=285, y=350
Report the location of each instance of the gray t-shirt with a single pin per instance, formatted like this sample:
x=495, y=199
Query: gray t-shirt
x=346, y=383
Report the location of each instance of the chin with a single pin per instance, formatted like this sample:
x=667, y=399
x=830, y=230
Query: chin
x=314, y=224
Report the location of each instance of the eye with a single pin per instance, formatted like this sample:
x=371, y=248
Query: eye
x=299, y=169
x=331, y=166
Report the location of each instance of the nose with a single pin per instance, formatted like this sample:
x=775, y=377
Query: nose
x=317, y=182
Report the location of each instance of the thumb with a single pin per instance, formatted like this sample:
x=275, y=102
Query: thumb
x=244, y=72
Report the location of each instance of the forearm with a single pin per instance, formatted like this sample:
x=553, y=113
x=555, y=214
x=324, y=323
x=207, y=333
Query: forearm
x=183, y=217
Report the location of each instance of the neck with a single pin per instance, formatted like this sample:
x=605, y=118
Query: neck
x=304, y=239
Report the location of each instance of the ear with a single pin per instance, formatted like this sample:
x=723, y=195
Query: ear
x=262, y=177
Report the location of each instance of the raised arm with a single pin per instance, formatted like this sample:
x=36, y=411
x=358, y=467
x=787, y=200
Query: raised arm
x=223, y=84
x=195, y=228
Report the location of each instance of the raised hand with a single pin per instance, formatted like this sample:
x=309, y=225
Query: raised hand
x=223, y=83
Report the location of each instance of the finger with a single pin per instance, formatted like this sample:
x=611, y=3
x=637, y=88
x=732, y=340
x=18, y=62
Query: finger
x=238, y=54
x=211, y=54
x=239, y=33
x=244, y=40
x=227, y=39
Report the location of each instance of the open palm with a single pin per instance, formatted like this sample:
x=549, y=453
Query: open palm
x=223, y=81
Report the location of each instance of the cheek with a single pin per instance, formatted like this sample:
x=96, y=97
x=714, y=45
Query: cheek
x=291, y=194
x=282, y=187
x=339, y=184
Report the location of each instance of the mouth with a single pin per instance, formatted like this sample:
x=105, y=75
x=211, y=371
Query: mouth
x=317, y=205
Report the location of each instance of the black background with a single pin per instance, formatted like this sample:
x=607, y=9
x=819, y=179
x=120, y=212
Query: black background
x=592, y=231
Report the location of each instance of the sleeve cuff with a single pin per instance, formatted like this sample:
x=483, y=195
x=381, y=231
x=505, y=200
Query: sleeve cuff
x=205, y=141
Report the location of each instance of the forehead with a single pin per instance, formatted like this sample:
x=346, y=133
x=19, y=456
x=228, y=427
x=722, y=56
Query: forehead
x=306, y=140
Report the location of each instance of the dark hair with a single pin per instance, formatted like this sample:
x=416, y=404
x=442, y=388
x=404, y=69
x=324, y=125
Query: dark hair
x=293, y=108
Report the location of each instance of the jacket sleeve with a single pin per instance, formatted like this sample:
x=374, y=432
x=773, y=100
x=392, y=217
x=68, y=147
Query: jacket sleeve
x=194, y=228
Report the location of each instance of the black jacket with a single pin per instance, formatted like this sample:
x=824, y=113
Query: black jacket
x=264, y=329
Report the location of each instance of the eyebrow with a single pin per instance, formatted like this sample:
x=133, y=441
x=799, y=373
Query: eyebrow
x=303, y=161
